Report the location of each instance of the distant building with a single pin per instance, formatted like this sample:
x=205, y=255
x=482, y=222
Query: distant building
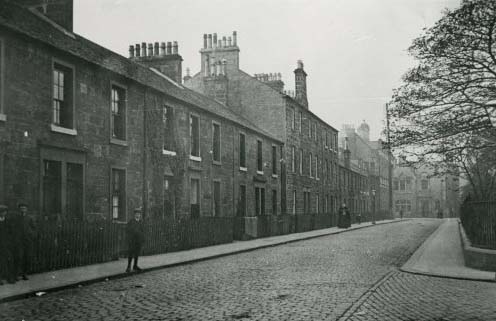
x=375, y=162
x=417, y=193
x=309, y=179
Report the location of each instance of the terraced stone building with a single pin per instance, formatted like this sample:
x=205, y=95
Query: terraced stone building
x=309, y=157
x=87, y=133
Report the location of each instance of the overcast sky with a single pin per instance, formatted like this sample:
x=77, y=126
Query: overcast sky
x=354, y=51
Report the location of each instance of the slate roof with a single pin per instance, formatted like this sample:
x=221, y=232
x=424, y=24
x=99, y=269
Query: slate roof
x=33, y=25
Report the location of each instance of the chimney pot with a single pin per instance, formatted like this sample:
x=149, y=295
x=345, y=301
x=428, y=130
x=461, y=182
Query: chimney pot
x=150, y=49
x=205, y=37
x=229, y=42
x=235, y=38
x=156, y=49
x=143, y=49
x=224, y=42
x=131, y=51
x=138, y=50
x=162, y=48
x=175, y=48
x=299, y=64
x=169, y=47
x=210, y=41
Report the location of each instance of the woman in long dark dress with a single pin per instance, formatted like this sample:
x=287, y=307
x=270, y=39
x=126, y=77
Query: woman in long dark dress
x=344, y=218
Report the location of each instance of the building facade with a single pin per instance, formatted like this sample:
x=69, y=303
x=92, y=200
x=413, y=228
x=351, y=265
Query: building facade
x=418, y=193
x=88, y=134
x=309, y=180
x=374, y=162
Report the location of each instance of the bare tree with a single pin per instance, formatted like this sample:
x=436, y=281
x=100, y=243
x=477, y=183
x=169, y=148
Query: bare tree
x=442, y=113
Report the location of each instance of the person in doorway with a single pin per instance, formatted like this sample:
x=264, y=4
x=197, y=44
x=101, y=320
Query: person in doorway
x=135, y=237
x=24, y=231
x=6, y=261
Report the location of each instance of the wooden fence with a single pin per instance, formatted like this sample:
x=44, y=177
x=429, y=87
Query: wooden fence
x=479, y=221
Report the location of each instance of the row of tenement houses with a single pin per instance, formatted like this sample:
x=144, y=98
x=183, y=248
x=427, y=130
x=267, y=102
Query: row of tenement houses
x=87, y=133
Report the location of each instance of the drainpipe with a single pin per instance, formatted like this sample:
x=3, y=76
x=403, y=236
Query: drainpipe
x=145, y=156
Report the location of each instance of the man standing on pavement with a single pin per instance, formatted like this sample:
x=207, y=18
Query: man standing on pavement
x=6, y=266
x=135, y=236
x=23, y=229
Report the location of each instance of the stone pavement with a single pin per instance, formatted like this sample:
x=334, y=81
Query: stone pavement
x=414, y=297
x=442, y=255
x=60, y=279
x=314, y=279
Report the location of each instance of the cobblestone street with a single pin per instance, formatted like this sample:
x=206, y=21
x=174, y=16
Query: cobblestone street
x=326, y=278
x=410, y=297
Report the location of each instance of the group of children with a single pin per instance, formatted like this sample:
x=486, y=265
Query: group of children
x=17, y=232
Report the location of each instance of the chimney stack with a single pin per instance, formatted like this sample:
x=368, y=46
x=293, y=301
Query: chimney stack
x=162, y=56
x=301, y=85
x=188, y=76
x=346, y=154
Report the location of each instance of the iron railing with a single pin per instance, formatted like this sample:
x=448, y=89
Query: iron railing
x=65, y=244
x=479, y=221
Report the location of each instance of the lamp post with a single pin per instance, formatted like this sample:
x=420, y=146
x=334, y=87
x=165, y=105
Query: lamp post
x=373, y=206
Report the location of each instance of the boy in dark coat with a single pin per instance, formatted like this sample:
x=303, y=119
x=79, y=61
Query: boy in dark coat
x=6, y=266
x=23, y=229
x=135, y=236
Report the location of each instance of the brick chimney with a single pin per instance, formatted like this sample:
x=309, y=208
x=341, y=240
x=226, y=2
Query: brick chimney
x=301, y=85
x=273, y=80
x=161, y=56
x=217, y=51
x=59, y=11
x=347, y=154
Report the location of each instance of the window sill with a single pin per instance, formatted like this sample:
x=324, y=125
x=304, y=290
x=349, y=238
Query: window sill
x=243, y=169
x=118, y=142
x=195, y=158
x=217, y=162
x=168, y=152
x=3, y=117
x=260, y=172
x=63, y=130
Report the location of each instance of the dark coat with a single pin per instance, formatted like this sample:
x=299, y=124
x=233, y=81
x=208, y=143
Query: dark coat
x=23, y=229
x=135, y=232
x=6, y=246
x=344, y=219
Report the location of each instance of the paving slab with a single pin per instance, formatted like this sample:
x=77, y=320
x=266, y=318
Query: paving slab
x=442, y=255
x=41, y=283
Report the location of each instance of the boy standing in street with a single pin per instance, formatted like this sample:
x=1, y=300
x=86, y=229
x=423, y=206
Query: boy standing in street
x=135, y=236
